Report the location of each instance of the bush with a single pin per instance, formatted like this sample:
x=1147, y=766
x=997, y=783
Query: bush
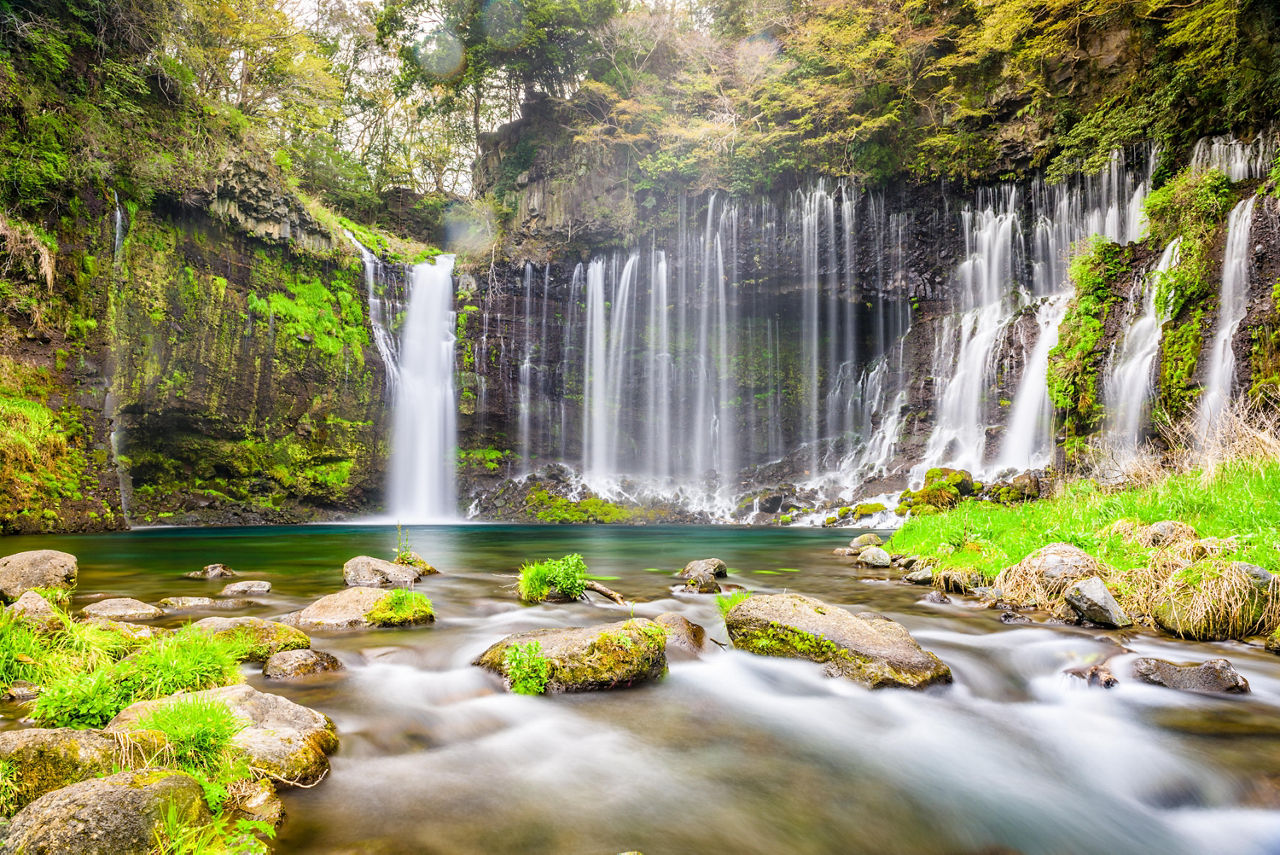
x=567, y=576
x=527, y=669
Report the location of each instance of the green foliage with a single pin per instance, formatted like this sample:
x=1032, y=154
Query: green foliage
x=399, y=608
x=488, y=459
x=726, y=602
x=548, y=507
x=223, y=836
x=199, y=734
x=566, y=576
x=36, y=656
x=1191, y=207
x=10, y=791
x=527, y=669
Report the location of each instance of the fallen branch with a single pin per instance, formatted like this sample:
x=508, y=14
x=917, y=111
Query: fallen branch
x=606, y=592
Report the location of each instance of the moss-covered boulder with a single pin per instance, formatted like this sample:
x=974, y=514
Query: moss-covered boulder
x=364, y=608
x=868, y=509
x=369, y=572
x=1215, y=600
x=38, y=568
x=134, y=631
x=866, y=648
x=291, y=664
x=585, y=659
x=42, y=760
x=122, y=608
x=261, y=638
x=287, y=741
x=862, y=541
x=121, y=814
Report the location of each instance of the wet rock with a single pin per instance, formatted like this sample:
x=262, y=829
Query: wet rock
x=866, y=648
x=1216, y=676
x=1168, y=532
x=908, y=561
x=290, y=664
x=369, y=572
x=35, y=610
x=347, y=609
x=246, y=589
x=714, y=566
x=846, y=551
x=1093, y=602
x=919, y=577
x=212, y=571
x=39, y=568
x=20, y=691
x=936, y=597
x=122, y=608
x=187, y=603
x=262, y=638
x=702, y=583
x=874, y=556
x=287, y=741
x=584, y=659
x=864, y=540
x=118, y=815
x=1098, y=675
x=43, y=760
x=258, y=803
x=683, y=636
x=1013, y=617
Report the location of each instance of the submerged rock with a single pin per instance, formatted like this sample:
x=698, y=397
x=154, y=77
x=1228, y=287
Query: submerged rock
x=38, y=568
x=118, y=815
x=246, y=588
x=683, y=635
x=35, y=610
x=369, y=572
x=1216, y=676
x=286, y=741
x=350, y=609
x=122, y=608
x=42, y=760
x=212, y=571
x=866, y=648
x=585, y=659
x=935, y=597
x=262, y=638
x=714, y=566
x=874, y=556
x=1093, y=602
x=289, y=664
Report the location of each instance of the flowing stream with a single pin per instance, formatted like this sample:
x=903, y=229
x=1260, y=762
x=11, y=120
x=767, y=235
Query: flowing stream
x=732, y=752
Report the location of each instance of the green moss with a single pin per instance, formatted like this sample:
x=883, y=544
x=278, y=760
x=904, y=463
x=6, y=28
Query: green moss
x=401, y=607
x=259, y=642
x=550, y=508
x=867, y=509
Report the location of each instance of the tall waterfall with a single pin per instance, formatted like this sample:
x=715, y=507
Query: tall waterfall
x=1233, y=304
x=424, y=417
x=381, y=309
x=1129, y=382
x=1028, y=438
x=1241, y=161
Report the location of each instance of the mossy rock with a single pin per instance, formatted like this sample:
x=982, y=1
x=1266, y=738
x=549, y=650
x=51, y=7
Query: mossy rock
x=42, y=760
x=359, y=608
x=1212, y=602
x=868, y=509
x=262, y=638
x=866, y=648
x=586, y=659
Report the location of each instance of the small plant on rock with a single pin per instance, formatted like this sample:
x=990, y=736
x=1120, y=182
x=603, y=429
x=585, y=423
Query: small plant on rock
x=400, y=607
x=726, y=602
x=199, y=733
x=566, y=576
x=527, y=669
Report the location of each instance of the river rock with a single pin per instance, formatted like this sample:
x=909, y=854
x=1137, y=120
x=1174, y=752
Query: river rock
x=348, y=609
x=867, y=648
x=874, y=556
x=263, y=638
x=257, y=802
x=369, y=572
x=919, y=577
x=247, y=588
x=1053, y=567
x=702, y=583
x=287, y=741
x=683, y=636
x=935, y=597
x=1168, y=532
x=136, y=631
x=713, y=566
x=122, y=608
x=864, y=540
x=39, y=568
x=117, y=815
x=35, y=610
x=43, y=760
x=846, y=551
x=585, y=659
x=187, y=603
x=1216, y=676
x=289, y=664
x=1184, y=609
x=212, y=571
x=1093, y=602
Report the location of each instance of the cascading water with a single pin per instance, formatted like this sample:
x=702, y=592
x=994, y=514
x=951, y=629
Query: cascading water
x=1028, y=438
x=1240, y=161
x=116, y=436
x=381, y=308
x=424, y=419
x=1233, y=304
x=1129, y=381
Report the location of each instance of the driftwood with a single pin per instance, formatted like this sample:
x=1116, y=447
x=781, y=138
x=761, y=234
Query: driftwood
x=606, y=592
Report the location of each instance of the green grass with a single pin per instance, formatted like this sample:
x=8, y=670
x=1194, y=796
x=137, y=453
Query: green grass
x=550, y=508
x=527, y=669
x=1237, y=501
x=199, y=734
x=43, y=658
x=401, y=607
x=726, y=602
x=567, y=575
x=221, y=836
x=9, y=789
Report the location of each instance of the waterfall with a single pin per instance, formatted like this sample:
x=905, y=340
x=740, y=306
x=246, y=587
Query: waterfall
x=381, y=307
x=1129, y=381
x=1233, y=304
x=424, y=428
x=1240, y=161
x=526, y=370
x=118, y=246
x=1028, y=438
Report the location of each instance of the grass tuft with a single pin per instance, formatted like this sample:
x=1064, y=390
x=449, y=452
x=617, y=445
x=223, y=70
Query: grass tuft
x=566, y=576
x=527, y=669
x=401, y=607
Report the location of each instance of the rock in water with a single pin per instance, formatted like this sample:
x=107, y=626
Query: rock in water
x=121, y=608
x=585, y=659
x=40, y=568
x=289, y=664
x=181, y=603
x=866, y=648
x=683, y=636
x=1093, y=602
x=246, y=588
x=347, y=609
x=919, y=577
x=714, y=566
x=117, y=815
x=35, y=610
x=43, y=760
x=864, y=540
x=1216, y=676
x=287, y=741
x=212, y=571
x=262, y=638
x=702, y=582
x=874, y=556
x=369, y=572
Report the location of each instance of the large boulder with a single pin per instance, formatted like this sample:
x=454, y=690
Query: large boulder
x=369, y=572
x=39, y=568
x=1214, y=601
x=247, y=588
x=874, y=556
x=683, y=636
x=1043, y=576
x=290, y=664
x=121, y=608
x=121, y=814
x=35, y=610
x=43, y=760
x=584, y=659
x=713, y=566
x=351, y=609
x=862, y=541
x=262, y=638
x=284, y=740
x=866, y=648
x=1092, y=601
x=1216, y=676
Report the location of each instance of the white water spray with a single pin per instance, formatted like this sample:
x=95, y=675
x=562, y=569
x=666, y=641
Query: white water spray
x=1233, y=304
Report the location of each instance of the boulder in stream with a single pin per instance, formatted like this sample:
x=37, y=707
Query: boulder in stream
x=867, y=648
x=185, y=603
x=585, y=659
x=247, y=588
x=1093, y=602
x=1216, y=676
x=262, y=638
x=355, y=608
x=862, y=541
x=874, y=556
x=369, y=572
x=122, y=608
x=38, y=568
x=41, y=760
x=35, y=610
x=117, y=815
x=702, y=582
x=291, y=664
x=713, y=566
x=683, y=636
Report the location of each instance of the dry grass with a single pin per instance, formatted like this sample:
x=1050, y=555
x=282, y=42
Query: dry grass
x=23, y=255
x=1024, y=583
x=1219, y=599
x=1246, y=432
